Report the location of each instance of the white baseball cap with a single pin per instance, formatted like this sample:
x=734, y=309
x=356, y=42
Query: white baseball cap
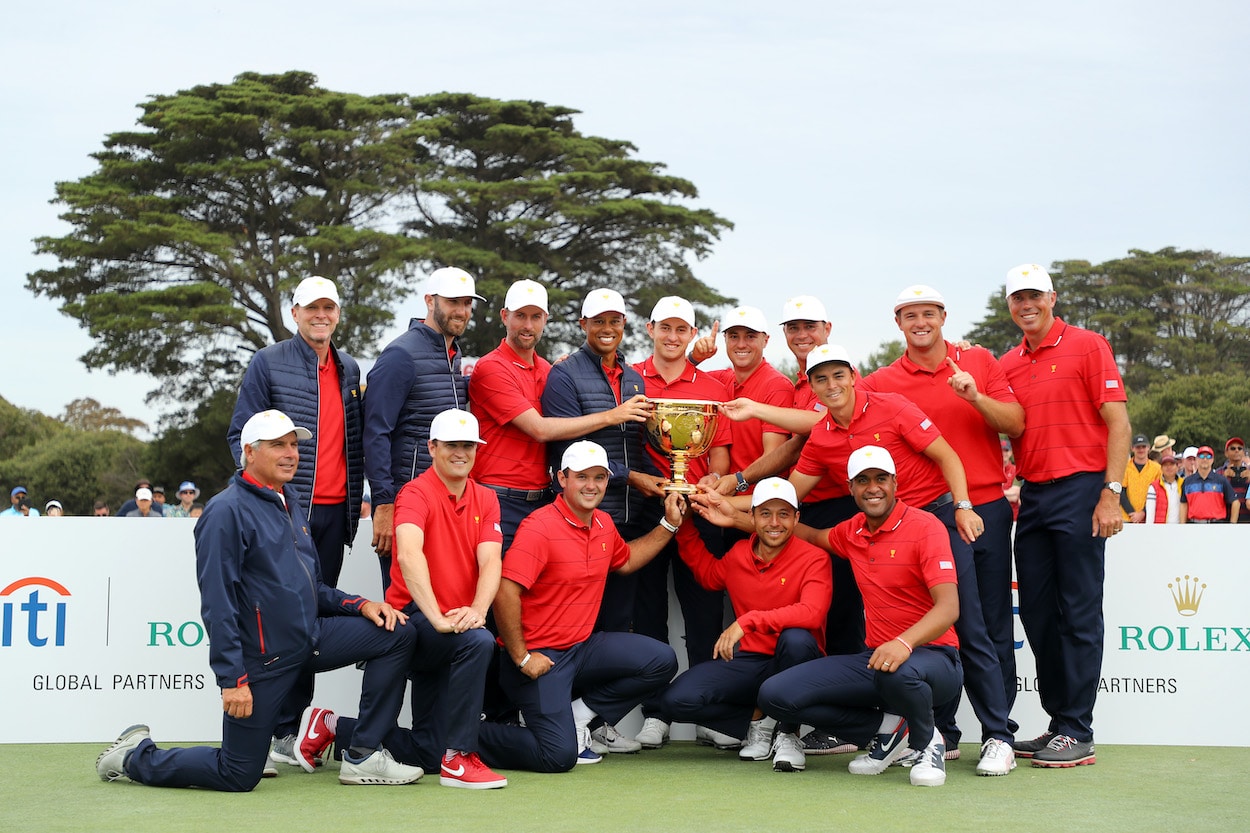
x=774, y=488
x=825, y=353
x=919, y=294
x=803, y=308
x=599, y=301
x=1191, y=451
x=451, y=282
x=314, y=289
x=671, y=306
x=526, y=293
x=454, y=425
x=270, y=425
x=748, y=317
x=1028, y=276
x=869, y=457
x=143, y=494
x=583, y=455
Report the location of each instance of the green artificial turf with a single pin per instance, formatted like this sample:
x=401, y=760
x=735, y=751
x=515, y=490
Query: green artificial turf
x=679, y=788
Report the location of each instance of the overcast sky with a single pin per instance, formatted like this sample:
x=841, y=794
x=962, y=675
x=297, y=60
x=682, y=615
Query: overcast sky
x=857, y=147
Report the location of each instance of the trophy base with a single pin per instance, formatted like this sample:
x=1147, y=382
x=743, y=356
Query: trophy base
x=681, y=487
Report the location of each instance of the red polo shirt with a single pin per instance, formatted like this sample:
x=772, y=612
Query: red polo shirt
x=883, y=419
x=503, y=386
x=765, y=384
x=691, y=384
x=791, y=591
x=453, y=530
x=1062, y=385
x=961, y=424
x=330, y=480
x=895, y=567
x=563, y=564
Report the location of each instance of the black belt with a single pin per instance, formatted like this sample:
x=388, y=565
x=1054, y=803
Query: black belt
x=1057, y=479
x=944, y=500
x=529, y=495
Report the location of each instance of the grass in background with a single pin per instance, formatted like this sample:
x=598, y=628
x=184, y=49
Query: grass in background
x=682, y=787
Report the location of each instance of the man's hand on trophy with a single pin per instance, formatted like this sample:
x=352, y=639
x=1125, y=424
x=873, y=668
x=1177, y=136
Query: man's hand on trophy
x=715, y=509
x=675, y=508
x=634, y=409
x=648, y=484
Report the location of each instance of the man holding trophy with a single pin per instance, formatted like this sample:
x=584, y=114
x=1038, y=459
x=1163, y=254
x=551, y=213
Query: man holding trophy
x=684, y=439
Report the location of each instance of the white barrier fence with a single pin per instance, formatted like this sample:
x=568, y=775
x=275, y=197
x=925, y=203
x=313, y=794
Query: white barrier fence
x=100, y=627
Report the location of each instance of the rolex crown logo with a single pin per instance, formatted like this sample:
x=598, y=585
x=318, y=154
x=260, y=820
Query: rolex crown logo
x=1187, y=595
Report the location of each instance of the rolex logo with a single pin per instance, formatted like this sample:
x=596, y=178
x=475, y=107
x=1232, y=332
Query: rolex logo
x=1187, y=595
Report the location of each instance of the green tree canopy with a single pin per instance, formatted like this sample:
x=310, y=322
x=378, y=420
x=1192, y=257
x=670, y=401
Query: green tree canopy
x=887, y=353
x=511, y=189
x=89, y=415
x=72, y=465
x=1205, y=409
x=188, y=238
x=1166, y=313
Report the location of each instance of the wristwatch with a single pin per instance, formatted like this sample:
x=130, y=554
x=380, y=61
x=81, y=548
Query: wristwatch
x=743, y=485
x=963, y=504
x=1115, y=487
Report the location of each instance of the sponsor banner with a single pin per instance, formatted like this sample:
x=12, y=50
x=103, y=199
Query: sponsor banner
x=1177, y=645
x=100, y=628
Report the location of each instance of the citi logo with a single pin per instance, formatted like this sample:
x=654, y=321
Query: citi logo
x=44, y=620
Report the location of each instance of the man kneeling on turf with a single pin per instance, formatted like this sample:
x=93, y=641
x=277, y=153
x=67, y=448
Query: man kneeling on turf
x=548, y=600
x=902, y=562
x=269, y=617
x=780, y=589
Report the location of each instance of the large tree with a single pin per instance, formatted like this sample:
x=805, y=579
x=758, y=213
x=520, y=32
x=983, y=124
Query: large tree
x=187, y=239
x=511, y=189
x=1204, y=409
x=1166, y=313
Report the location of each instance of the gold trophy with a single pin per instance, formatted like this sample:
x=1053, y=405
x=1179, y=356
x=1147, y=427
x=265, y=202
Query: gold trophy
x=681, y=429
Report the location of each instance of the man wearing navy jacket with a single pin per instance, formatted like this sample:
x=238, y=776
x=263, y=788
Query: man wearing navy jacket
x=269, y=617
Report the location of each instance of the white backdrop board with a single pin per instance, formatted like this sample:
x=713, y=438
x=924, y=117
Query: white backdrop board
x=100, y=628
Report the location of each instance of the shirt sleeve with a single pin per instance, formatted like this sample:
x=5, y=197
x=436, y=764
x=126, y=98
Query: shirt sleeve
x=707, y=570
x=527, y=557
x=494, y=390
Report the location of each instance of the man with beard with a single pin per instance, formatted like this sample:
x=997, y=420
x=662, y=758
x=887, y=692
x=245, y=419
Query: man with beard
x=415, y=378
x=506, y=390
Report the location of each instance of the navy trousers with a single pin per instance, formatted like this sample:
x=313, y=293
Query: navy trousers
x=611, y=672
x=722, y=695
x=1060, y=568
x=983, y=676
x=844, y=697
x=237, y=766
x=448, y=672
